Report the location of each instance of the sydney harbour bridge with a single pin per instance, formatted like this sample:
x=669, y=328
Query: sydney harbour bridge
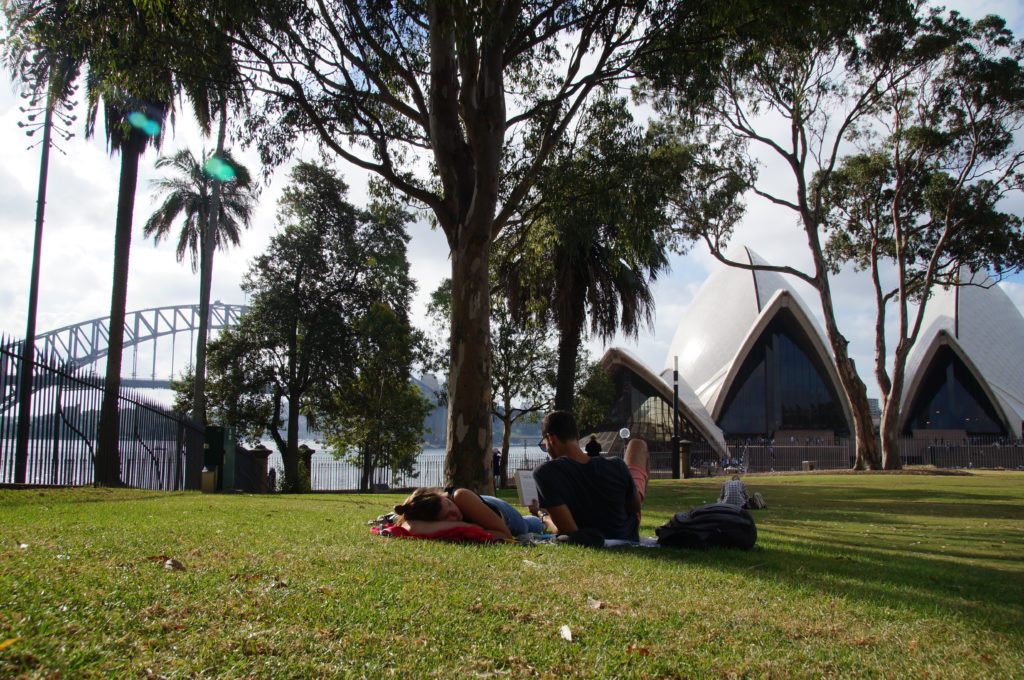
x=159, y=343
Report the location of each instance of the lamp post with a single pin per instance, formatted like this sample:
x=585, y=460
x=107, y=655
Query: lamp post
x=28, y=348
x=677, y=468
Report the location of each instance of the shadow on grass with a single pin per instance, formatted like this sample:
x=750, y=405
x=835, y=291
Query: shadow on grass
x=881, y=547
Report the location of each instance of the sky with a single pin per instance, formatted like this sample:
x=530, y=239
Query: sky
x=78, y=238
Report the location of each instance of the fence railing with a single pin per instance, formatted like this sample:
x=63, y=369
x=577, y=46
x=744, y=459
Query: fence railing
x=65, y=411
x=328, y=474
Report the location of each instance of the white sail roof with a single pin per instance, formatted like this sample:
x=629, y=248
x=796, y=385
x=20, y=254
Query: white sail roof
x=985, y=328
x=723, y=323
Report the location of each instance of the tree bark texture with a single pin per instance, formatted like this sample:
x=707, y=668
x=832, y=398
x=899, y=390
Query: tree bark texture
x=891, y=458
x=467, y=463
x=108, y=460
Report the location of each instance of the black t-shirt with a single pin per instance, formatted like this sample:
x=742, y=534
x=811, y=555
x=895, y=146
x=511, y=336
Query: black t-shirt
x=596, y=494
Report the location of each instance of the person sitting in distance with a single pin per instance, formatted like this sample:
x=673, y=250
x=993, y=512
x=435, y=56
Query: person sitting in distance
x=734, y=492
x=578, y=492
x=593, y=447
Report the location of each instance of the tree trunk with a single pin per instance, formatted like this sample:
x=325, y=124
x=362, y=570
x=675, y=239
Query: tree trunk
x=469, y=382
x=856, y=392
x=108, y=459
x=863, y=428
x=209, y=247
x=366, y=474
x=506, y=437
x=891, y=458
x=568, y=352
x=297, y=481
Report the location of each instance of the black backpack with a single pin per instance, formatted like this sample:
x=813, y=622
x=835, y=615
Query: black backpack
x=717, y=525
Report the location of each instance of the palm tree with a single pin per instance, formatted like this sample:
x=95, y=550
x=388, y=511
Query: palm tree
x=196, y=192
x=136, y=86
x=597, y=271
x=593, y=239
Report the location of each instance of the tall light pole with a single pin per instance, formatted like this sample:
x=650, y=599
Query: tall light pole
x=676, y=467
x=28, y=348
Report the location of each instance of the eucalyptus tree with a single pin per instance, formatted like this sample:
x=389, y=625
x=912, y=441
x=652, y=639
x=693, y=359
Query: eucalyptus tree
x=593, y=235
x=796, y=84
x=219, y=184
x=925, y=199
x=435, y=97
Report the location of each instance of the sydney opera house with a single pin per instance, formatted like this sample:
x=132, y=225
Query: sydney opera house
x=754, y=365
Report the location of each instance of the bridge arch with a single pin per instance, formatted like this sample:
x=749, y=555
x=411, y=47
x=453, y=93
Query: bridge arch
x=87, y=342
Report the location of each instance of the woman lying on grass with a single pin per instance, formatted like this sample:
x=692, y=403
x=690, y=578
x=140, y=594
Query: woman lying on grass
x=431, y=510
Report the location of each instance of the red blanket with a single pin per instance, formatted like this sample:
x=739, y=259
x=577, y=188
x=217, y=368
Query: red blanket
x=467, y=534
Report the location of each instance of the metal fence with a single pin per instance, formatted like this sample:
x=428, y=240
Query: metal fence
x=975, y=452
x=65, y=412
x=328, y=474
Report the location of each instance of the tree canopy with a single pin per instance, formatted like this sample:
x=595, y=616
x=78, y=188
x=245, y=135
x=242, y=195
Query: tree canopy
x=296, y=346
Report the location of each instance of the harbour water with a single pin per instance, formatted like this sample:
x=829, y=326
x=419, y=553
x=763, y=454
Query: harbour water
x=330, y=474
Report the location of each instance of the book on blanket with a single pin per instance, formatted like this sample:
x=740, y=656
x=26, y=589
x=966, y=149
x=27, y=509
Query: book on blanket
x=526, y=486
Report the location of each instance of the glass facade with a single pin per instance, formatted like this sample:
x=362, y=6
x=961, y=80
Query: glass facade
x=782, y=385
x=640, y=407
x=949, y=398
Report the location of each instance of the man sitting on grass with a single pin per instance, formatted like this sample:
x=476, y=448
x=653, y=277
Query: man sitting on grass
x=734, y=492
x=596, y=494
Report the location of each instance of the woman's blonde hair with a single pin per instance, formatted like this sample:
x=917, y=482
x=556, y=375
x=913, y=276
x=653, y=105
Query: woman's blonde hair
x=422, y=504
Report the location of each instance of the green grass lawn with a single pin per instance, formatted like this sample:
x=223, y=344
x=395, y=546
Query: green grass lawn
x=853, y=575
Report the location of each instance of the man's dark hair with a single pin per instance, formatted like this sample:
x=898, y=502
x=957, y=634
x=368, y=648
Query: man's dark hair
x=562, y=425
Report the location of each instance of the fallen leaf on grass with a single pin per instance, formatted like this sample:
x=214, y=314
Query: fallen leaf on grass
x=23, y=546
x=594, y=604
x=7, y=643
x=167, y=562
x=530, y=564
x=566, y=633
x=638, y=650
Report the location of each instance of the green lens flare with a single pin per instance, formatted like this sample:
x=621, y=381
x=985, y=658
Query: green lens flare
x=140, y=121
x=219, y=169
